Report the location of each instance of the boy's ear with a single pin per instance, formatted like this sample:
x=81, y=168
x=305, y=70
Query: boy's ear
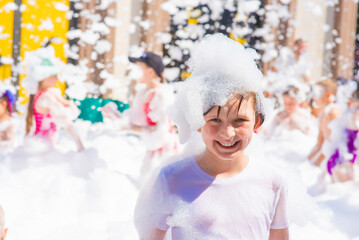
x=258, y=123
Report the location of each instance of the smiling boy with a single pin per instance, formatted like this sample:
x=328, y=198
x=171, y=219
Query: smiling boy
x=222, y=193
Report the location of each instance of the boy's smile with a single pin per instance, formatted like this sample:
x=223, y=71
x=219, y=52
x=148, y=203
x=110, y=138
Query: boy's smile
x=228, y=130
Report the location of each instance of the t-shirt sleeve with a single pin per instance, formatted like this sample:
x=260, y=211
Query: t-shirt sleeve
x=280, y=219
x=152, y=210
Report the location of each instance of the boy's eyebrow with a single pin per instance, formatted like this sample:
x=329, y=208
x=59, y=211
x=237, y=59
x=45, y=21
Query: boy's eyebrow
x=211, y=113
x=241, y=116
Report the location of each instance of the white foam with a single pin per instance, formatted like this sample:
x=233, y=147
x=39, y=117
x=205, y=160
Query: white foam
x=220, y=68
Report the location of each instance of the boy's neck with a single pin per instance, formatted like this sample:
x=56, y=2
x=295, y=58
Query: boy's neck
x=221, y=168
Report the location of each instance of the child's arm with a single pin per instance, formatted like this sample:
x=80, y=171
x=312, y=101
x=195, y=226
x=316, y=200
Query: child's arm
x=279, y=234
x=151, y=209
x=71, y=131
x=317, y=147
x=280, y=222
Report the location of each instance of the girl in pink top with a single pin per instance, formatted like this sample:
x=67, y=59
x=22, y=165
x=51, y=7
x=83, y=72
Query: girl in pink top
x=47, y=107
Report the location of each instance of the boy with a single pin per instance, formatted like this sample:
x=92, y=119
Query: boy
x=221, y=193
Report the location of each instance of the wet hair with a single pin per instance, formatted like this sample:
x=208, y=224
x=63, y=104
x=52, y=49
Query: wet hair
x=30, y=114
x=256, y=105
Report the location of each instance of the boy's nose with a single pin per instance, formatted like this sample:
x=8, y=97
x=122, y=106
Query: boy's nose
x=228, y=131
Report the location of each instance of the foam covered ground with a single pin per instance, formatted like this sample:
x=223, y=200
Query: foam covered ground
x=50, y=193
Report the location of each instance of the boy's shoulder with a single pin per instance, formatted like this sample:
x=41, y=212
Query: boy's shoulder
x=269, y=172
x=177, y=167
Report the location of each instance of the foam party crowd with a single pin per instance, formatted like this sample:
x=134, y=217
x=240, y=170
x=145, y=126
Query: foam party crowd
x=229, y=153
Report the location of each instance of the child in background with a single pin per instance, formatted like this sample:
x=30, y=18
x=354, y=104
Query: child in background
x=46, y=104
x=3, y=230
x=222, y=193
x=7, y=126
x=293, y=117
x=340, y=163
x=147, y=113
x=329, y=111
x=148, y=108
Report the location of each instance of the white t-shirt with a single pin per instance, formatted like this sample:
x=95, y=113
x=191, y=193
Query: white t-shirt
x=196, y=205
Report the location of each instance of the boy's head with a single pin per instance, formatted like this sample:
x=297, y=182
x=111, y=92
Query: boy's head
x=3, y=230
x=228, y=129
x=221, y=69
x=150, y=60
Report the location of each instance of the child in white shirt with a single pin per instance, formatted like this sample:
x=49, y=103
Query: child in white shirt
x=222, y=193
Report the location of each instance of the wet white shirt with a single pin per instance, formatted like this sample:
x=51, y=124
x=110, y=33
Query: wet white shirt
x=196, y=205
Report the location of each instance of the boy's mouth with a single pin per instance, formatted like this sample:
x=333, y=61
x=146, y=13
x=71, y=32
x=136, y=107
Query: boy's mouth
x=227, y=145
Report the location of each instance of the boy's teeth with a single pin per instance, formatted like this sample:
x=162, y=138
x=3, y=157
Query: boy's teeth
x=227, y=144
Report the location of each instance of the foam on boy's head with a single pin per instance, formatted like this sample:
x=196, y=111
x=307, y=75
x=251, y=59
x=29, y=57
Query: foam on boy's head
x=220, y=69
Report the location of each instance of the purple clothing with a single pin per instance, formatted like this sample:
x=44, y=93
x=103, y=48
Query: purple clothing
x=336, y=158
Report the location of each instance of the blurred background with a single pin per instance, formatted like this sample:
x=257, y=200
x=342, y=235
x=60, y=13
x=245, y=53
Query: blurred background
x=57, y=193
x=95, y=37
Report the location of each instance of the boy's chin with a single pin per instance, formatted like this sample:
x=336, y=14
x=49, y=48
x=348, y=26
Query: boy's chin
x=232, y=157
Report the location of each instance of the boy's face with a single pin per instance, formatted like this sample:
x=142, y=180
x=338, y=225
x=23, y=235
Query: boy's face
x=227, y=134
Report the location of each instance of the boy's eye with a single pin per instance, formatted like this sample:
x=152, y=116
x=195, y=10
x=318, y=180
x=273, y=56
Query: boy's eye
x=241, y=120
x=214, y=120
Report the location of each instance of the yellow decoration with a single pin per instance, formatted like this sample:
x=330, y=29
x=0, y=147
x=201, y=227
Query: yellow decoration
x=185, y=74
x=192, y=21
x=193, y=15
x=6, y=33
x=40, y=21
x=240, y=40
